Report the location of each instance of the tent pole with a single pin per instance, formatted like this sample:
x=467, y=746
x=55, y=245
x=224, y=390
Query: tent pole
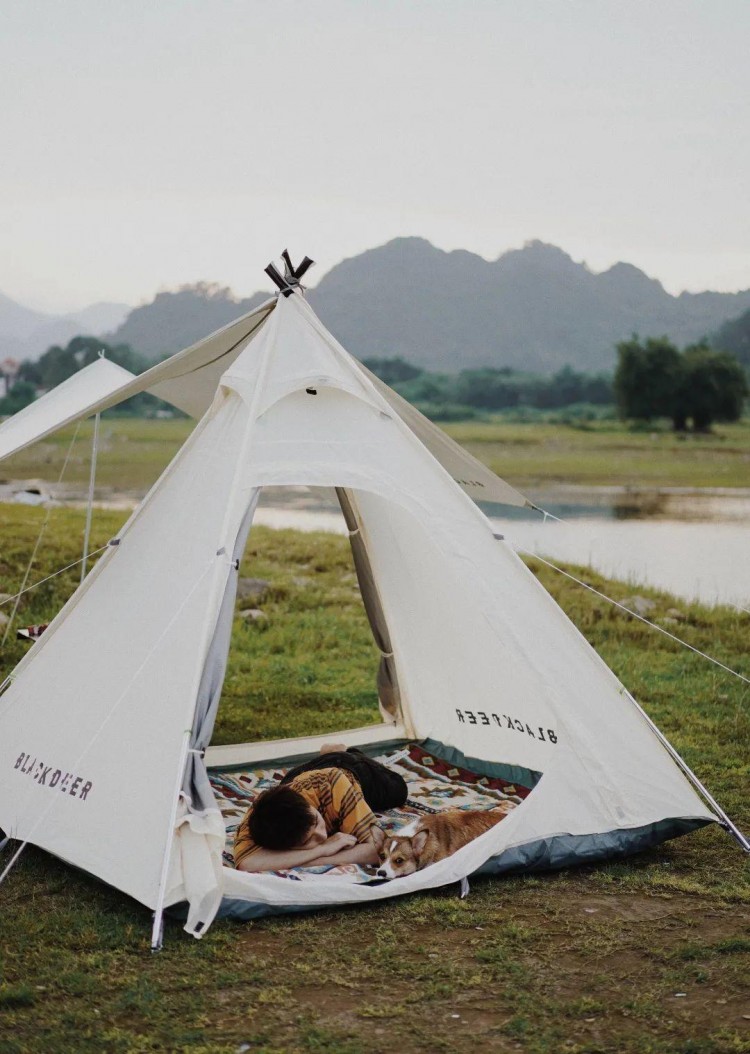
x=89, y=510
x=726, y=823
x=157, y=931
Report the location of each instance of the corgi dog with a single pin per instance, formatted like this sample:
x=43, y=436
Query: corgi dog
x=431, y=838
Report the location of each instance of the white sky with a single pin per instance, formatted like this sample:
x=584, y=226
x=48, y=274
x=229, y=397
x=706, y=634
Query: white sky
x=146, y=143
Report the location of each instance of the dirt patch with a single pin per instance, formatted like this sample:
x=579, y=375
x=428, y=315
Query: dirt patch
x=572, y=969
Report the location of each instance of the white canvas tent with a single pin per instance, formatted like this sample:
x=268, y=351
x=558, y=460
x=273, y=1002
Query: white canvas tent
x=104, y=725
x=61, y=405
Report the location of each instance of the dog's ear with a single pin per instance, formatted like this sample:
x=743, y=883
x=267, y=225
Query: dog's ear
x=418, y=842
x=378, y=837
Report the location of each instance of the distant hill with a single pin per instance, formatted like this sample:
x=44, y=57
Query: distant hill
x=734, y=337
x=26, y=334
x=175, y=320
x=534, y=309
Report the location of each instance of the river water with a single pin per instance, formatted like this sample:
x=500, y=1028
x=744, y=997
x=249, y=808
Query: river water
x=694, y=544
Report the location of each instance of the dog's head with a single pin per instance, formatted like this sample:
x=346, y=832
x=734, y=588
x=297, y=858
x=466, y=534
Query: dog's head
x=399, y=854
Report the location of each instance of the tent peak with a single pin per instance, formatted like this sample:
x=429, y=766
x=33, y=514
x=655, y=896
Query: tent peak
x=292, y=275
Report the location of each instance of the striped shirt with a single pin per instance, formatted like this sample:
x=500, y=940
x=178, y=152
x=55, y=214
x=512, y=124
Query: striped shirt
x=335, y=794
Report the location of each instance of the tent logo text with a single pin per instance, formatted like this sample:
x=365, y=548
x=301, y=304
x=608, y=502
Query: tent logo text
x=515, y=724
x=56, y=779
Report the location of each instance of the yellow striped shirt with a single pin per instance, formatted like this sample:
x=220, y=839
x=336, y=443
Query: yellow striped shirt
x=336, y=795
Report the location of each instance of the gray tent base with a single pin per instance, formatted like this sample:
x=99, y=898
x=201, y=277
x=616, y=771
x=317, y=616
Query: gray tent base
x=546, y=854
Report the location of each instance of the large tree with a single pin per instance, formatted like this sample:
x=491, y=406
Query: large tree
x=646, y=378
x=654, y=379
x=715, y=386
x=20, y=395
x=57, y=364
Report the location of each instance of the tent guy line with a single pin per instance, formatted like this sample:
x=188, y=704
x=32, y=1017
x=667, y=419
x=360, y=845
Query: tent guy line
x=54, y=575
x=518, y=549
x=726, y=823
x=633, y=614
x=35, y=550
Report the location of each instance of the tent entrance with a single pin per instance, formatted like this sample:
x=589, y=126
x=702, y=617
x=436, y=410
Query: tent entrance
x=310, y=649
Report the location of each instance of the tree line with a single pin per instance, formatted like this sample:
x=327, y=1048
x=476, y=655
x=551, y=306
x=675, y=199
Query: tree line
x=57, y=364
x=653, y=379
x=452, y=396
x=694, y=387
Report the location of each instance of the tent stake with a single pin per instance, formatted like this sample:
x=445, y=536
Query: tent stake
x=157, y=933
x=89, y=510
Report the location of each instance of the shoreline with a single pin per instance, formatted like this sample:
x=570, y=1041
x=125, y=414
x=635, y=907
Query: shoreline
x=563, y=500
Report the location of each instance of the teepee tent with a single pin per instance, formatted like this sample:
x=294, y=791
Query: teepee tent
x=105, y=726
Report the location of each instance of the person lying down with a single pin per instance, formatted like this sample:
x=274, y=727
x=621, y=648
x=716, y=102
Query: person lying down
x=322, y=813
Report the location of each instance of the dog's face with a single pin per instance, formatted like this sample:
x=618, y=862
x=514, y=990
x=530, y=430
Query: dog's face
x=399, y=854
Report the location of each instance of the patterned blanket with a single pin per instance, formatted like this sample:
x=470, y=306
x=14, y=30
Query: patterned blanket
x=434, y=785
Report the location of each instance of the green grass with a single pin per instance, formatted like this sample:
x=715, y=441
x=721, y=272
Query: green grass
x=134, y=452
x=606, y=452
x=589, y=960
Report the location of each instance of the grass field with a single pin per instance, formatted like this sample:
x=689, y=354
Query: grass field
x=531, y=455
x=133, y=453
x=650, y=955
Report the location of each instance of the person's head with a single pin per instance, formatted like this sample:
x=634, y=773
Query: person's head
x=281, y=819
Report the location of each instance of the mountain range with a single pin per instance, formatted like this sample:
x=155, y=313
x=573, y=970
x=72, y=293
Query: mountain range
x=25, y=334
x=534, y=309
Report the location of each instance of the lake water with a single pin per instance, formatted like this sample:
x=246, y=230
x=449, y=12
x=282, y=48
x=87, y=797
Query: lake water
x=695, y=544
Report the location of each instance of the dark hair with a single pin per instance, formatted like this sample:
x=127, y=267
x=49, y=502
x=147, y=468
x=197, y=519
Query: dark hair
x=280, y=819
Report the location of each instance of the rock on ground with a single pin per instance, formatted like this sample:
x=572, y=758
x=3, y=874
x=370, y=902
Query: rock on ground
x=639, y=605
x=252, y=589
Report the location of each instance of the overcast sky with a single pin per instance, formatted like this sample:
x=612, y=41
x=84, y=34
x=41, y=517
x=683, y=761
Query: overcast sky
x=147, y=143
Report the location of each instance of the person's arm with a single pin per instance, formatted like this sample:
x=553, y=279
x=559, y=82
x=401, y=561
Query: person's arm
x=281, y=859
x=363, y=853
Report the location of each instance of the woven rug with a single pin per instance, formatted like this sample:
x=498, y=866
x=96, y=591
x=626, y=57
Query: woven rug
x=434, y=785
